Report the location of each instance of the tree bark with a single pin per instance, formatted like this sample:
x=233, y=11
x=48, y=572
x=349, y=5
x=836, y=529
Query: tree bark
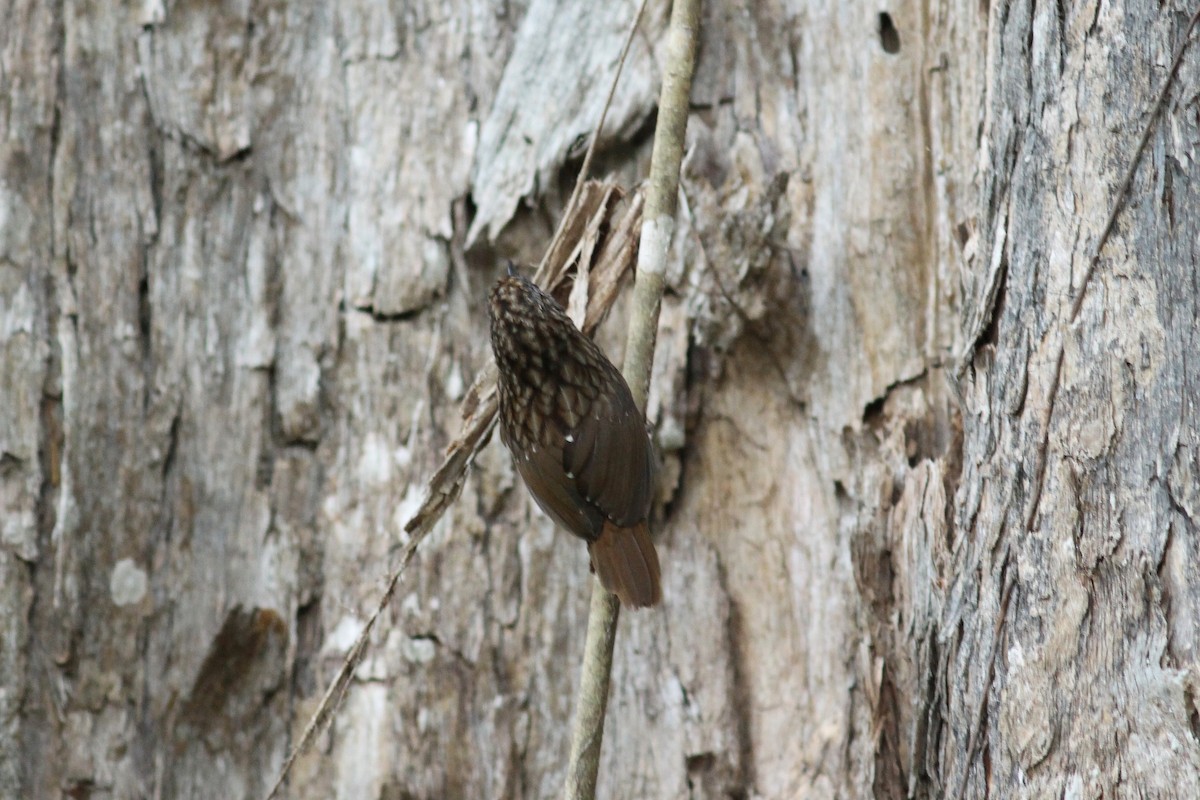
x=925, y=530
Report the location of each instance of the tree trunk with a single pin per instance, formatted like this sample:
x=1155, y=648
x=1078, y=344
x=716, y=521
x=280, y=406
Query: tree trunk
x=926, y=528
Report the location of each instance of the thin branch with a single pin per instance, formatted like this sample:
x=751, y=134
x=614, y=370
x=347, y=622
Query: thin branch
x=1123, y=190
x=657, y=227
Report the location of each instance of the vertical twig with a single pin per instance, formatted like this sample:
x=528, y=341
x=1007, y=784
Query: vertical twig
x=658, y=224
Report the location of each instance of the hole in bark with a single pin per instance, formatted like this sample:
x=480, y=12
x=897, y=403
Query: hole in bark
x=79, y=789
x=144, y=310
x=308, y=645
x=873, y=413
x=8, y=464
x=963, y=233
x=889, y=37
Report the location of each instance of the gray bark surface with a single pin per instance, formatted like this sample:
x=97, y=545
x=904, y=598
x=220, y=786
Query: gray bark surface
x=924, y=531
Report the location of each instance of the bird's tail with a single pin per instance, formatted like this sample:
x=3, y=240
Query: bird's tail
x=627, y=564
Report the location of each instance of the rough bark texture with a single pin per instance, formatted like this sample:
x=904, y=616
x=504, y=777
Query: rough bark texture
x=922, y=532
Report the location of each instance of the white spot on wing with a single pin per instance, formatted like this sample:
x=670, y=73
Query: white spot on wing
x=570, y=437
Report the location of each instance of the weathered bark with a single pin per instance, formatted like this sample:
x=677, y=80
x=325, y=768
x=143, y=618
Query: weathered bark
x=1068, y=633
x=922, y=533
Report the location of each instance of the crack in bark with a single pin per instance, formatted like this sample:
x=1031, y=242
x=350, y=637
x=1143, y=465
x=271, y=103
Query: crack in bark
x=1041, y=456
x=386, y=317
x=983, y=316
x=874, y=409
x=973, y=742
x=741, y=699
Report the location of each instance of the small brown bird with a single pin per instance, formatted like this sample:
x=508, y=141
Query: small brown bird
x=578, y=440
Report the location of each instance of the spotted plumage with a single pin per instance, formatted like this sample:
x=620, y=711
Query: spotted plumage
x=577, y=438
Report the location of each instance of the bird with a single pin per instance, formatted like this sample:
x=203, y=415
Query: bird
x=579, y=441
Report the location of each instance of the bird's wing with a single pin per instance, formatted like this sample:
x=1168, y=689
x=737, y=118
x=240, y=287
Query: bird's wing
x=556, y=493
x=609, y=455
